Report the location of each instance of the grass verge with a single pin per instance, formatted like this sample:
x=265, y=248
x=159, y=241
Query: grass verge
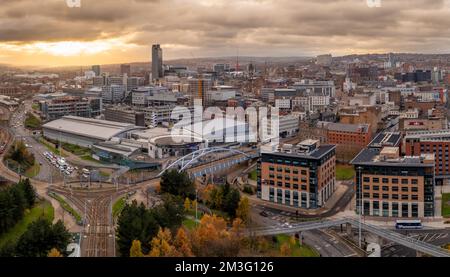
x=297, y=249
x=66, y=207
x=42, y=209
x=33, y=171
x=446, y=205
x=118, y=207
x=345, y=172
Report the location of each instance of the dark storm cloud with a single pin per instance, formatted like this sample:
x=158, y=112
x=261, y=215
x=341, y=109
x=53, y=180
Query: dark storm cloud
x=255, y=26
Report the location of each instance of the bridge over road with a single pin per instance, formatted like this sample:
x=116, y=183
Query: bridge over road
x=390, y=235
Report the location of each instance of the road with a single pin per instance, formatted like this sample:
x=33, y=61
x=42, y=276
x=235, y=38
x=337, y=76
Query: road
x=48, y=172
x=434, y=237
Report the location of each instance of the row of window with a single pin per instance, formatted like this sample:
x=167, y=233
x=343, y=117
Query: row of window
x=394, y=210
x=288, y=185
x=394, y=188
x=377, y=180
x=391, y=196
x=288, y=170
x=287, y=178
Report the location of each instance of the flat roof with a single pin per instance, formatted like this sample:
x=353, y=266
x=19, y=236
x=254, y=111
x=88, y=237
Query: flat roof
x=316, y=154
x=92, y=128
x=386, y=139
x=343, y=127
x=370, y=156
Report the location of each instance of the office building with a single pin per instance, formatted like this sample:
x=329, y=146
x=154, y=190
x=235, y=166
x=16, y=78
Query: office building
x=391, y=185
x=431, y=142
x=113, y=94
x=124, y=115
x=302, y=176
x=70, y=105
x=157, y=63
x=198, y=88
x=97, y=70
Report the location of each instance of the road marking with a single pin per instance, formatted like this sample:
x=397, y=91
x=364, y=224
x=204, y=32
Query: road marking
x=351, y=255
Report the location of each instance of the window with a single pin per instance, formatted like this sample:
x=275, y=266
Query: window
x=395, y=196
x=414, y=181
x=394, y=188
x=303, y=172
x=376, y=188
x=395, y=181
x=272, y=182
x=405, y=189
x=366, y=195
x=385, y=196
x=415, y=210
x=304, y=187
x=366, y=187
x=405, y=181
x=376, y=208
x=287, y=170
x=376, y=180
x=415, y=189
x=376, y=195
x=295, y=186
x=405, y=197
x=405, y=210
x=395, y=209
x=385, y=209
x=295, y=171
x=415, y=197
x=287, y=185
x=385, y=180
x=366, y=179
x=385, y=188
x=280, y=184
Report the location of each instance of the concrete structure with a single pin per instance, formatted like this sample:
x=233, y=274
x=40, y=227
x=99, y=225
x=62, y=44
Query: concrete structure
x=70, y=105
x=300, y=176
x=391, y=185
x=85, y=132
x=124, y=115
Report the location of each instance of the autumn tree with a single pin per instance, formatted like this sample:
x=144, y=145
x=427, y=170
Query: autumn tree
x=183, y=244
x=136, y=249
x=212, y=239
x=243, y=210
x=187, y=204
x=54, y=253
x=161, y=245
x=285, y=249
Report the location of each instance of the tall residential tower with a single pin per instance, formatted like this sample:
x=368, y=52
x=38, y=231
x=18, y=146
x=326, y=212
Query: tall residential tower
x=157, y=62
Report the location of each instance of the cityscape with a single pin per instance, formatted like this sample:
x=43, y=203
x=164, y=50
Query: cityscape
x=239, y=138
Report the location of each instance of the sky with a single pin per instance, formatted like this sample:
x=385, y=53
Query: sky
x=51, y=33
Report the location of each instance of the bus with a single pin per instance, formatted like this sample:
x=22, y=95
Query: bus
x=408, y=224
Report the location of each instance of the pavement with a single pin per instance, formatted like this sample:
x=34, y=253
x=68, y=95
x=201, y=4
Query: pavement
x=336, y=204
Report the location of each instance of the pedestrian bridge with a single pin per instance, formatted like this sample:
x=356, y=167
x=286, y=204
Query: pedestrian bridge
x=390, y=235
x=196, y=159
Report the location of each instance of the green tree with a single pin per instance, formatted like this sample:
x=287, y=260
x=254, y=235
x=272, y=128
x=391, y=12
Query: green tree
x=40, y=237
x=178, y=184
x=135, y=223
x=29, y=192
x=171, y=213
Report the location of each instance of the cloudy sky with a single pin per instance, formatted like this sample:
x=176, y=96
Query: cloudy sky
x=48, y=32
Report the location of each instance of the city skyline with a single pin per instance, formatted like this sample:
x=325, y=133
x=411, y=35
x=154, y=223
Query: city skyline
x=106, y=32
